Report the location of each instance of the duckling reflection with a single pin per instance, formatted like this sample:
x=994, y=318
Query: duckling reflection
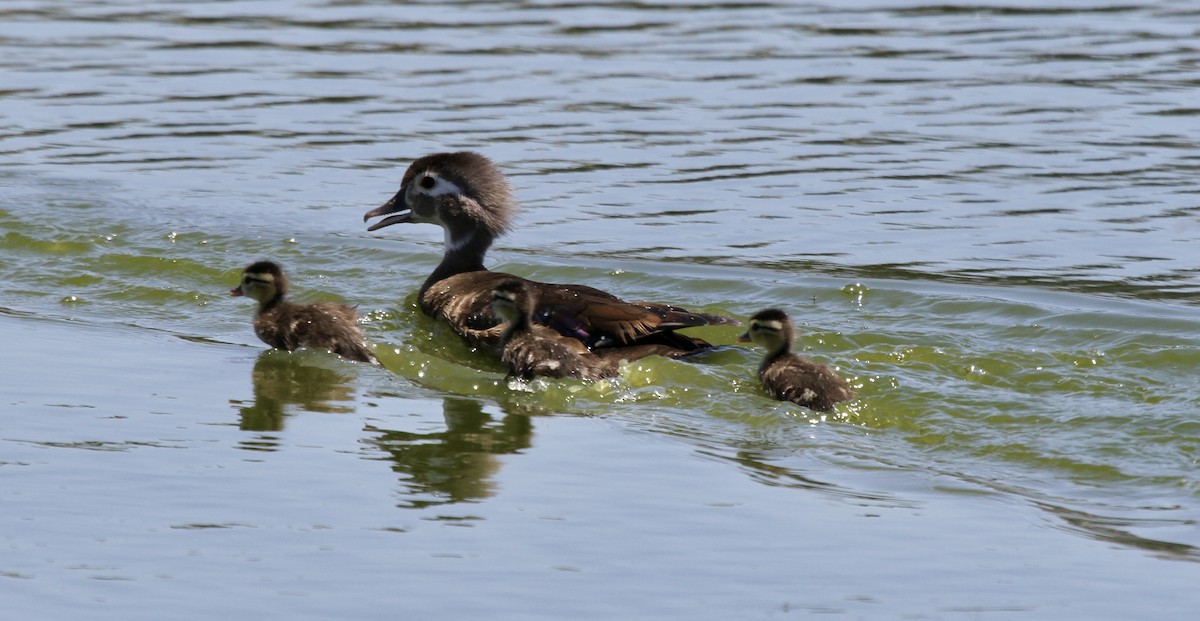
x=457, y=464
x=280, y=380
x=765, y=467
x=1108, y=528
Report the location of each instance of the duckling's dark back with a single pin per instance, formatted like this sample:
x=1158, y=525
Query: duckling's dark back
x=802, y=381
x=324, y=325
x=539, y=351
x=789, y=377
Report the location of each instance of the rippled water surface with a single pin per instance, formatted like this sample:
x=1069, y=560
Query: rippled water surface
x=983, y=213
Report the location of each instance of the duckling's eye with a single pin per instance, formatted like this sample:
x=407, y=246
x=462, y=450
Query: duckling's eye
x=427, y=182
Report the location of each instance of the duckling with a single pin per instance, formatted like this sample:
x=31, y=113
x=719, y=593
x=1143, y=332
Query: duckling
x=530, y=349
x=468, y=196
x=787, y=376
x=284, y=325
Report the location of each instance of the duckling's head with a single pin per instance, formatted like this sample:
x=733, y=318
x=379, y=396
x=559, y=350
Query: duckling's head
x=772, y=329
x=510, y=300
x=263, y=282
x=463, y=192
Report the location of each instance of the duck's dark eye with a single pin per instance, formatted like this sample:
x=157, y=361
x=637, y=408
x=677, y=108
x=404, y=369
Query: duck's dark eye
x=427, y=182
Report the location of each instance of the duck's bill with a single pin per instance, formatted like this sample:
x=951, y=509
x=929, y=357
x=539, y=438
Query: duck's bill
x=744, y=338
x=396, y=206
x=236, y=292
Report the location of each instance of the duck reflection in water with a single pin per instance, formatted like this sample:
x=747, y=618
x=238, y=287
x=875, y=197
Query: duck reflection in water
x=456, y=464
x=283, y=378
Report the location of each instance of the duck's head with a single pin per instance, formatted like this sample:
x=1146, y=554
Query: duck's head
x=510, y=300
x=263, y=282
x=463, y=192
x=770, y=328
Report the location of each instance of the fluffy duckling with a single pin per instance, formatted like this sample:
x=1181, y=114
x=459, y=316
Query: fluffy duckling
x=787, y=376
x=284, y=325
x=468, y=197
x=529, y=349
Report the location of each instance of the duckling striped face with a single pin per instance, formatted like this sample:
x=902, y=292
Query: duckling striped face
x=763, y=332
x=262, y=281
x=769, y=328
x=257, y=286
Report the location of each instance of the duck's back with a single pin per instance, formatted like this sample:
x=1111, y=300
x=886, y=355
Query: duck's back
x=597, y=318
x=802, y=381
x=324, y=325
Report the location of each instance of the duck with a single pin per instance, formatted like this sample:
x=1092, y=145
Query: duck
x=467, y=195
x=529, y=349
x=787, y=376
x=286, y=325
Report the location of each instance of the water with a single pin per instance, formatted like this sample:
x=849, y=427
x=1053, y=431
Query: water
x=982, y=213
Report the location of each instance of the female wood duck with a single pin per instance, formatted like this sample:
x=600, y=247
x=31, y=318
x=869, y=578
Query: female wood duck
x=789, y=377
x=284, y=325
x=530, y=349
x=467, y=195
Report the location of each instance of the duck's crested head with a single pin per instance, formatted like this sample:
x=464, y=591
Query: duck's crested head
x=771, y=328
x=457, y=190
x=262, y=281
x=510, y=300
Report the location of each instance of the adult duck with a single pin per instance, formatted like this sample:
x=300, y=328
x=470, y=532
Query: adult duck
x=468, y=197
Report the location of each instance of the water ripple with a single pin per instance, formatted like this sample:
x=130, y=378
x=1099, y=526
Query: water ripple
x=970, y=161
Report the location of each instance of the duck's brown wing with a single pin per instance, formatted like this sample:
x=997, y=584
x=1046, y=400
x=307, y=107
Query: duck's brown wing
x=637, y=351
x=602, y=320
x=674, y=317
x=597, y=318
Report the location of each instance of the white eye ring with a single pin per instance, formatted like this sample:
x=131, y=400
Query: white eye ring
x=429, y=184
